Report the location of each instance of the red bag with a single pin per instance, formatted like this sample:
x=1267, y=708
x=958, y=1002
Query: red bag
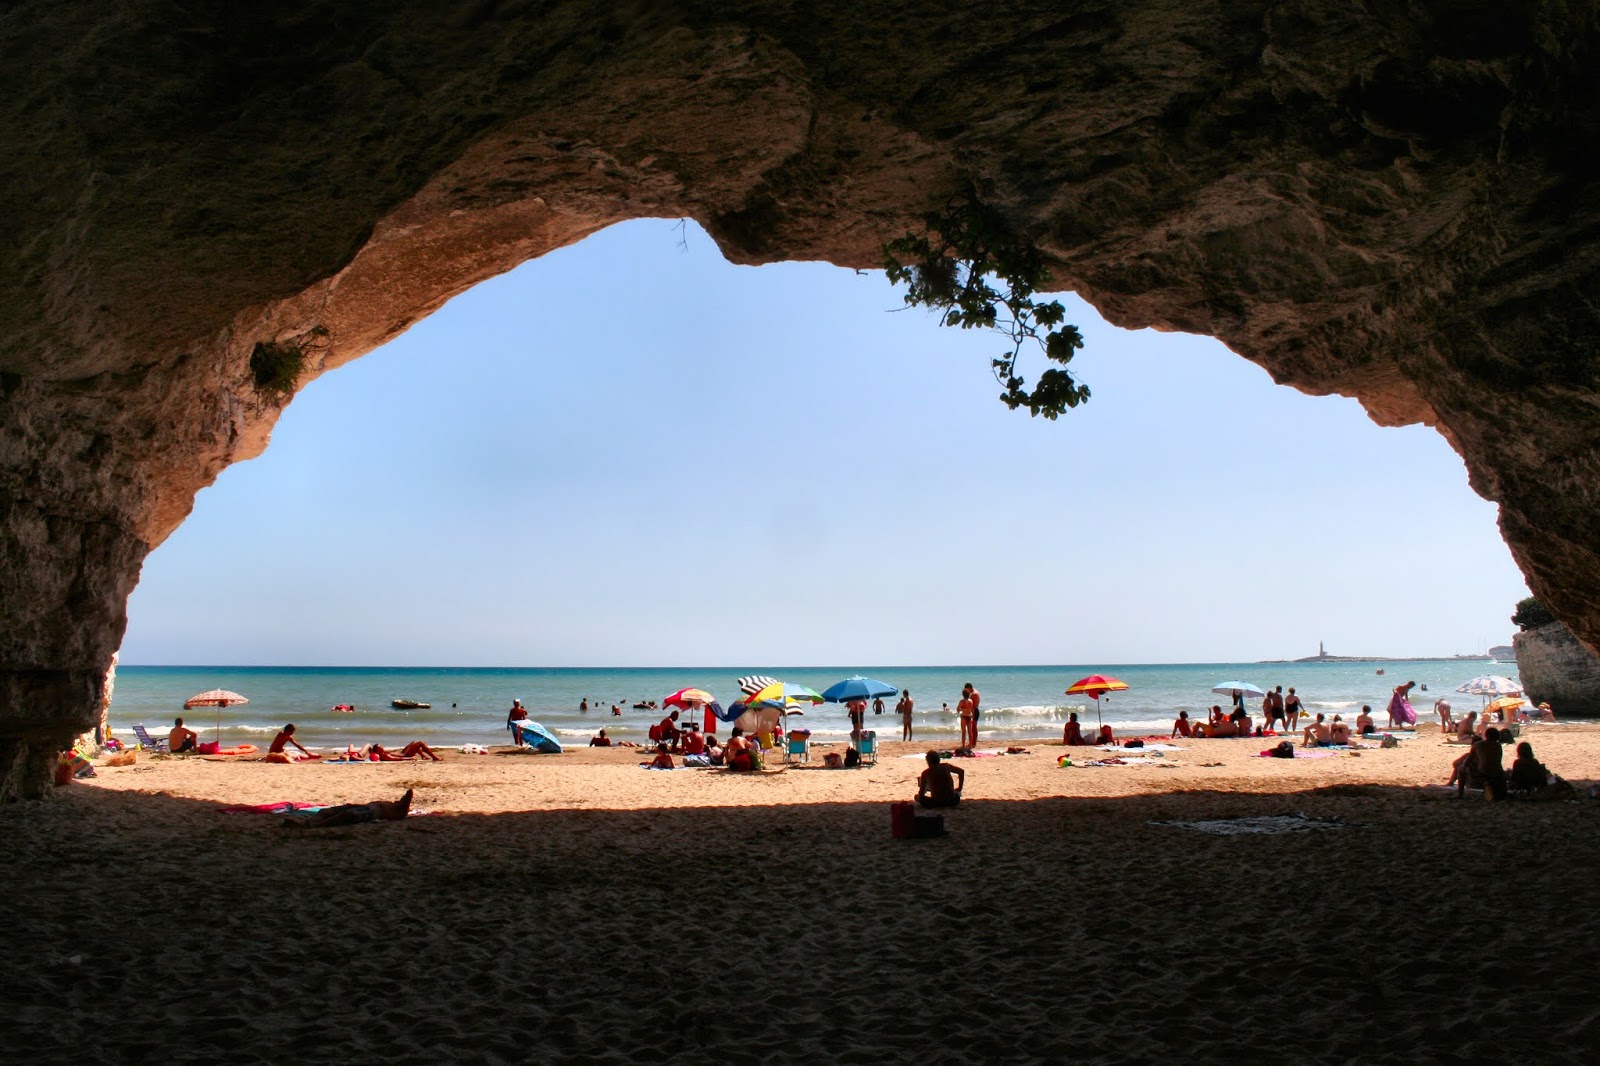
x=209, y=747
x=902, y=820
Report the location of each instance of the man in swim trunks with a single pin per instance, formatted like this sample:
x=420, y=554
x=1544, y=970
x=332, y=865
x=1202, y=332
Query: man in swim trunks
x=670, y=731
x=514, y=717
x=600, y=740
x=1273, y=709
x=977, y=710
x=286, y=738
x=181, y=739
x=905, y=707
x=354, y=814
x=1316, y=733
x=857, y=710
x=694, y=741
x=1182, y=727
x=940, y=784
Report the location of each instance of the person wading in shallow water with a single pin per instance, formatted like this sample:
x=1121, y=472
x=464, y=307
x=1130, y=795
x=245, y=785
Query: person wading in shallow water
x=905, y=707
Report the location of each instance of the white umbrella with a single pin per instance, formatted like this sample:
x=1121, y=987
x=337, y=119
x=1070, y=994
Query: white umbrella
x=1491, y=685
x=218, y=698
x=1228, y=687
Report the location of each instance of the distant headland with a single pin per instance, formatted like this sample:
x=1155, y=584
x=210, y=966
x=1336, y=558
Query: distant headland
x=1322, y=656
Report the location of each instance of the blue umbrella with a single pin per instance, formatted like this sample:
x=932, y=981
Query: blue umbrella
x=857, y=688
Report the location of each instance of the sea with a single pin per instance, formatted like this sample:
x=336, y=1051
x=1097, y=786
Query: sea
x=469, y=705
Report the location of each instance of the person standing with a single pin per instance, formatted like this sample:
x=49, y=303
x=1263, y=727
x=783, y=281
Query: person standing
x=1441, y=707
x=905, y=707
x=977, y=710
x=877, y=705
x=1292, y=709
x=514, y=717
x=1400, y=711
x=964, y=710
x=1272, y=709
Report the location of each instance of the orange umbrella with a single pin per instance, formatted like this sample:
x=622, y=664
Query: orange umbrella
x=1094, y=686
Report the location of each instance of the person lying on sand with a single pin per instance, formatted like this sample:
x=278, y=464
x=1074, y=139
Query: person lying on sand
x=180, y=739
x=1182, y=727
x=941, y=783
x=284, y=739
x=410, y=751
x=354, y=814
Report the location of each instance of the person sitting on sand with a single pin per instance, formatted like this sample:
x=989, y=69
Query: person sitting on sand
x=284, y=739
x=663, y=759
x=378, y=753
x=354, y=814
x=1545, y=713
x=670, y=733
x=1486, y=758
x=1316, y=733
x=694, y=741
x=1466, y=730
x=737, y=754
x=1441, y=707
x=1182, y=727
x=600, y=740
x=714, y=750
x=1105, y=736
x=181, y=739
x=1364, y=723
x=1338, y=732
x=941, y=783
x=1527, y=773
x=1071, y=733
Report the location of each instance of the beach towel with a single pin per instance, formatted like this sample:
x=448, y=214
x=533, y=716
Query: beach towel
x=1401, y=710
x=280, y=807
x=1302, y=754
x=1147, y=747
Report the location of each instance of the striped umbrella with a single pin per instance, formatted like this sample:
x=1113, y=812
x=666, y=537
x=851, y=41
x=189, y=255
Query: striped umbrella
x=1491, y=685
x=1094, y=686
x=218, y=698
x=755, y=683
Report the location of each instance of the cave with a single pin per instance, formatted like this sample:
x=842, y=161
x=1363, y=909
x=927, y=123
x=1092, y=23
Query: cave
x=208, y=208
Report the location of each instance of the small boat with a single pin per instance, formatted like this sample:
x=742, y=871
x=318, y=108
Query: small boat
x=409, y=705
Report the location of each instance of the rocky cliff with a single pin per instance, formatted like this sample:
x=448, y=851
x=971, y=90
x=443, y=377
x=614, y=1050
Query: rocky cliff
x=205, y=206
x=1555, y=668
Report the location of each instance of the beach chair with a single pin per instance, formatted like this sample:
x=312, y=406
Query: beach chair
x=867, y=747
x=797, y=749
x=147, y=741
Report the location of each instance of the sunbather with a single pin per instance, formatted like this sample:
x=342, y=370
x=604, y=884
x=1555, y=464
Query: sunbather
x=1182, y=727
x=941, y=783
x=410, y=751
x=180, y=739
x=737, y=754
x=355, y=814
x=1071, y=733
x=1317, y=732
x=663, y=759
x=1364, y=723
x=284, y=739
x=1338, y=732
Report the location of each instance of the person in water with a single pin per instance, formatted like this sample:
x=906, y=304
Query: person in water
x=181, y=739
x=905, y=707
x=940, y=784
x=354, y=814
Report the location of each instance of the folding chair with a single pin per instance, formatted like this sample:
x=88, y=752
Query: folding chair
x=867, y=747
x=147, y=741
x=797, y=748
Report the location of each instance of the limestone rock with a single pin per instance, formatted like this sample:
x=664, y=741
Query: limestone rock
x=1555, y=668
x=1393, y=201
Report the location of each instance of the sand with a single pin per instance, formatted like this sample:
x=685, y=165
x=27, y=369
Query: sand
x=578, y=908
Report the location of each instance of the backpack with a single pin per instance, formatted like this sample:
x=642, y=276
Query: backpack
x=852, y=759
x=1134, y=744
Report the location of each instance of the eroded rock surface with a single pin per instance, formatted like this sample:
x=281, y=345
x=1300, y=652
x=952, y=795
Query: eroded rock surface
x=1391, y=201
x=1554, y=668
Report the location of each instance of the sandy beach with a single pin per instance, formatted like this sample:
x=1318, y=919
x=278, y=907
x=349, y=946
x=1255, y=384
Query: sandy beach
x=575, y=907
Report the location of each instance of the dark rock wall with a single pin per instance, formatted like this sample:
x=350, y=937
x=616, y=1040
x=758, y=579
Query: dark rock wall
x=1391, y=201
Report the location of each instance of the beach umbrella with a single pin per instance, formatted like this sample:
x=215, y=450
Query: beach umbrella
x=688, y=698
x=781, y=696
x=753, y=683
x=1228, y=687
x=857, y=688
x=218, y=698
x=1094, y=686
x=1491, y=685
x=1504, y=703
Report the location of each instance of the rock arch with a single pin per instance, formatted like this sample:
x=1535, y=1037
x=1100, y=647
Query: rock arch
x=1394, y=204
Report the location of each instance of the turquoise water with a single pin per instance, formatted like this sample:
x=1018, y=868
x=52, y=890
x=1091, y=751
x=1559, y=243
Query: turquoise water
x=469, y=705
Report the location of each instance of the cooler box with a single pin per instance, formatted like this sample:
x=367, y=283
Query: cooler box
x=902, y=820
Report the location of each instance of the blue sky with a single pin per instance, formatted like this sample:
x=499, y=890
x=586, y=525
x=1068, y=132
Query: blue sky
x=633, y=453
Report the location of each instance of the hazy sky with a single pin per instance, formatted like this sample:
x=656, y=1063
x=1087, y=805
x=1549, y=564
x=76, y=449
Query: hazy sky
x=632, y=453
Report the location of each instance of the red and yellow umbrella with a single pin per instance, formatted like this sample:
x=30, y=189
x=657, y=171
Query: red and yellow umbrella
x=688, y=697
x=1094, y=686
